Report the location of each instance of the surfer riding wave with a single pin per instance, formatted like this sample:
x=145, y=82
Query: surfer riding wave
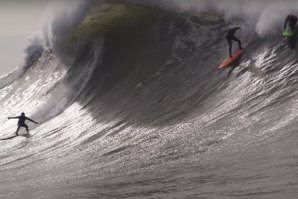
x=21, y=123
x=291, y=21
x=231, y=37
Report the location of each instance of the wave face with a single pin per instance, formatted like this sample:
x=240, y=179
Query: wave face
x=130, y=105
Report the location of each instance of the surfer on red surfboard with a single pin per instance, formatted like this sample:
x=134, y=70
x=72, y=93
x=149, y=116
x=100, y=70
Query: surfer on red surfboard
x=231, y=37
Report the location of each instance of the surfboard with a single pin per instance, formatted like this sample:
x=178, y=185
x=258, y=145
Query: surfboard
x=227, y=62
x=288, y=32
x=11, y=137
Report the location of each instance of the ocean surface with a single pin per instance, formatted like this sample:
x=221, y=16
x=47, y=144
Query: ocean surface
x=130, y=104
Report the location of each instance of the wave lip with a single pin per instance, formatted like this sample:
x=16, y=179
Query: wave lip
x=109, y=18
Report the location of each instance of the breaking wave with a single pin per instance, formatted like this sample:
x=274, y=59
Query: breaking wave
x=128, y=93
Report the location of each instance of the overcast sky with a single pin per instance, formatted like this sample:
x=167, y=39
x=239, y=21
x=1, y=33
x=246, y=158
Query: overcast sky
x=18, y=20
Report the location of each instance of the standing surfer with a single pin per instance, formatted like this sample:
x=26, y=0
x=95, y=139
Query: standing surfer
x=21, y=123
x=290, y=22
x=231, y=37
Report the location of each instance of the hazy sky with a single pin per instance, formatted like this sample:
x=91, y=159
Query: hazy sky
x=18, y=20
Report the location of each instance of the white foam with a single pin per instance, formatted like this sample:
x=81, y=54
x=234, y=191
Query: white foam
x=262, y=17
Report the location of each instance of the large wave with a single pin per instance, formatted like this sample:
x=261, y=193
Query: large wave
x=129, y=91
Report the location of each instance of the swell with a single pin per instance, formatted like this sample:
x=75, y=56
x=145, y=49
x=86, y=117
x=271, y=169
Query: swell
x=152, y=71
x=135, y=63
x=146, y=65
x=160, y=70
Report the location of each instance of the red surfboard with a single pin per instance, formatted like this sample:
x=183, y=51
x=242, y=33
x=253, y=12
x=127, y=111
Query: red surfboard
x=227, y=62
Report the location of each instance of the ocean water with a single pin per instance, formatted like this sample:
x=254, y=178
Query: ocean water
x=130, y=104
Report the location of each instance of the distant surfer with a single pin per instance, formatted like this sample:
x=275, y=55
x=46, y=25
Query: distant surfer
x=231, y=37
x=21, y=122
x=291, y=20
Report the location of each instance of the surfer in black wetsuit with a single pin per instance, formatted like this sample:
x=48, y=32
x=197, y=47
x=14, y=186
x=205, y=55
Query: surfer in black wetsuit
x=231, y=36
x=292, y=20
x=21, y=122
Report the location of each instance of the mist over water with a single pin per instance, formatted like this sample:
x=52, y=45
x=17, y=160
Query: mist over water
x=264, y=17
x=130, y=103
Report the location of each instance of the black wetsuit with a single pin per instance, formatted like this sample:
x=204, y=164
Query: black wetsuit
x=230, y=37
x=21, y=122
x=292, y=19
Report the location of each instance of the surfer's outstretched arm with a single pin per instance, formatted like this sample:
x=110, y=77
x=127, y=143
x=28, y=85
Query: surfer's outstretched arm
x=31, y=120
x=13, y=118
